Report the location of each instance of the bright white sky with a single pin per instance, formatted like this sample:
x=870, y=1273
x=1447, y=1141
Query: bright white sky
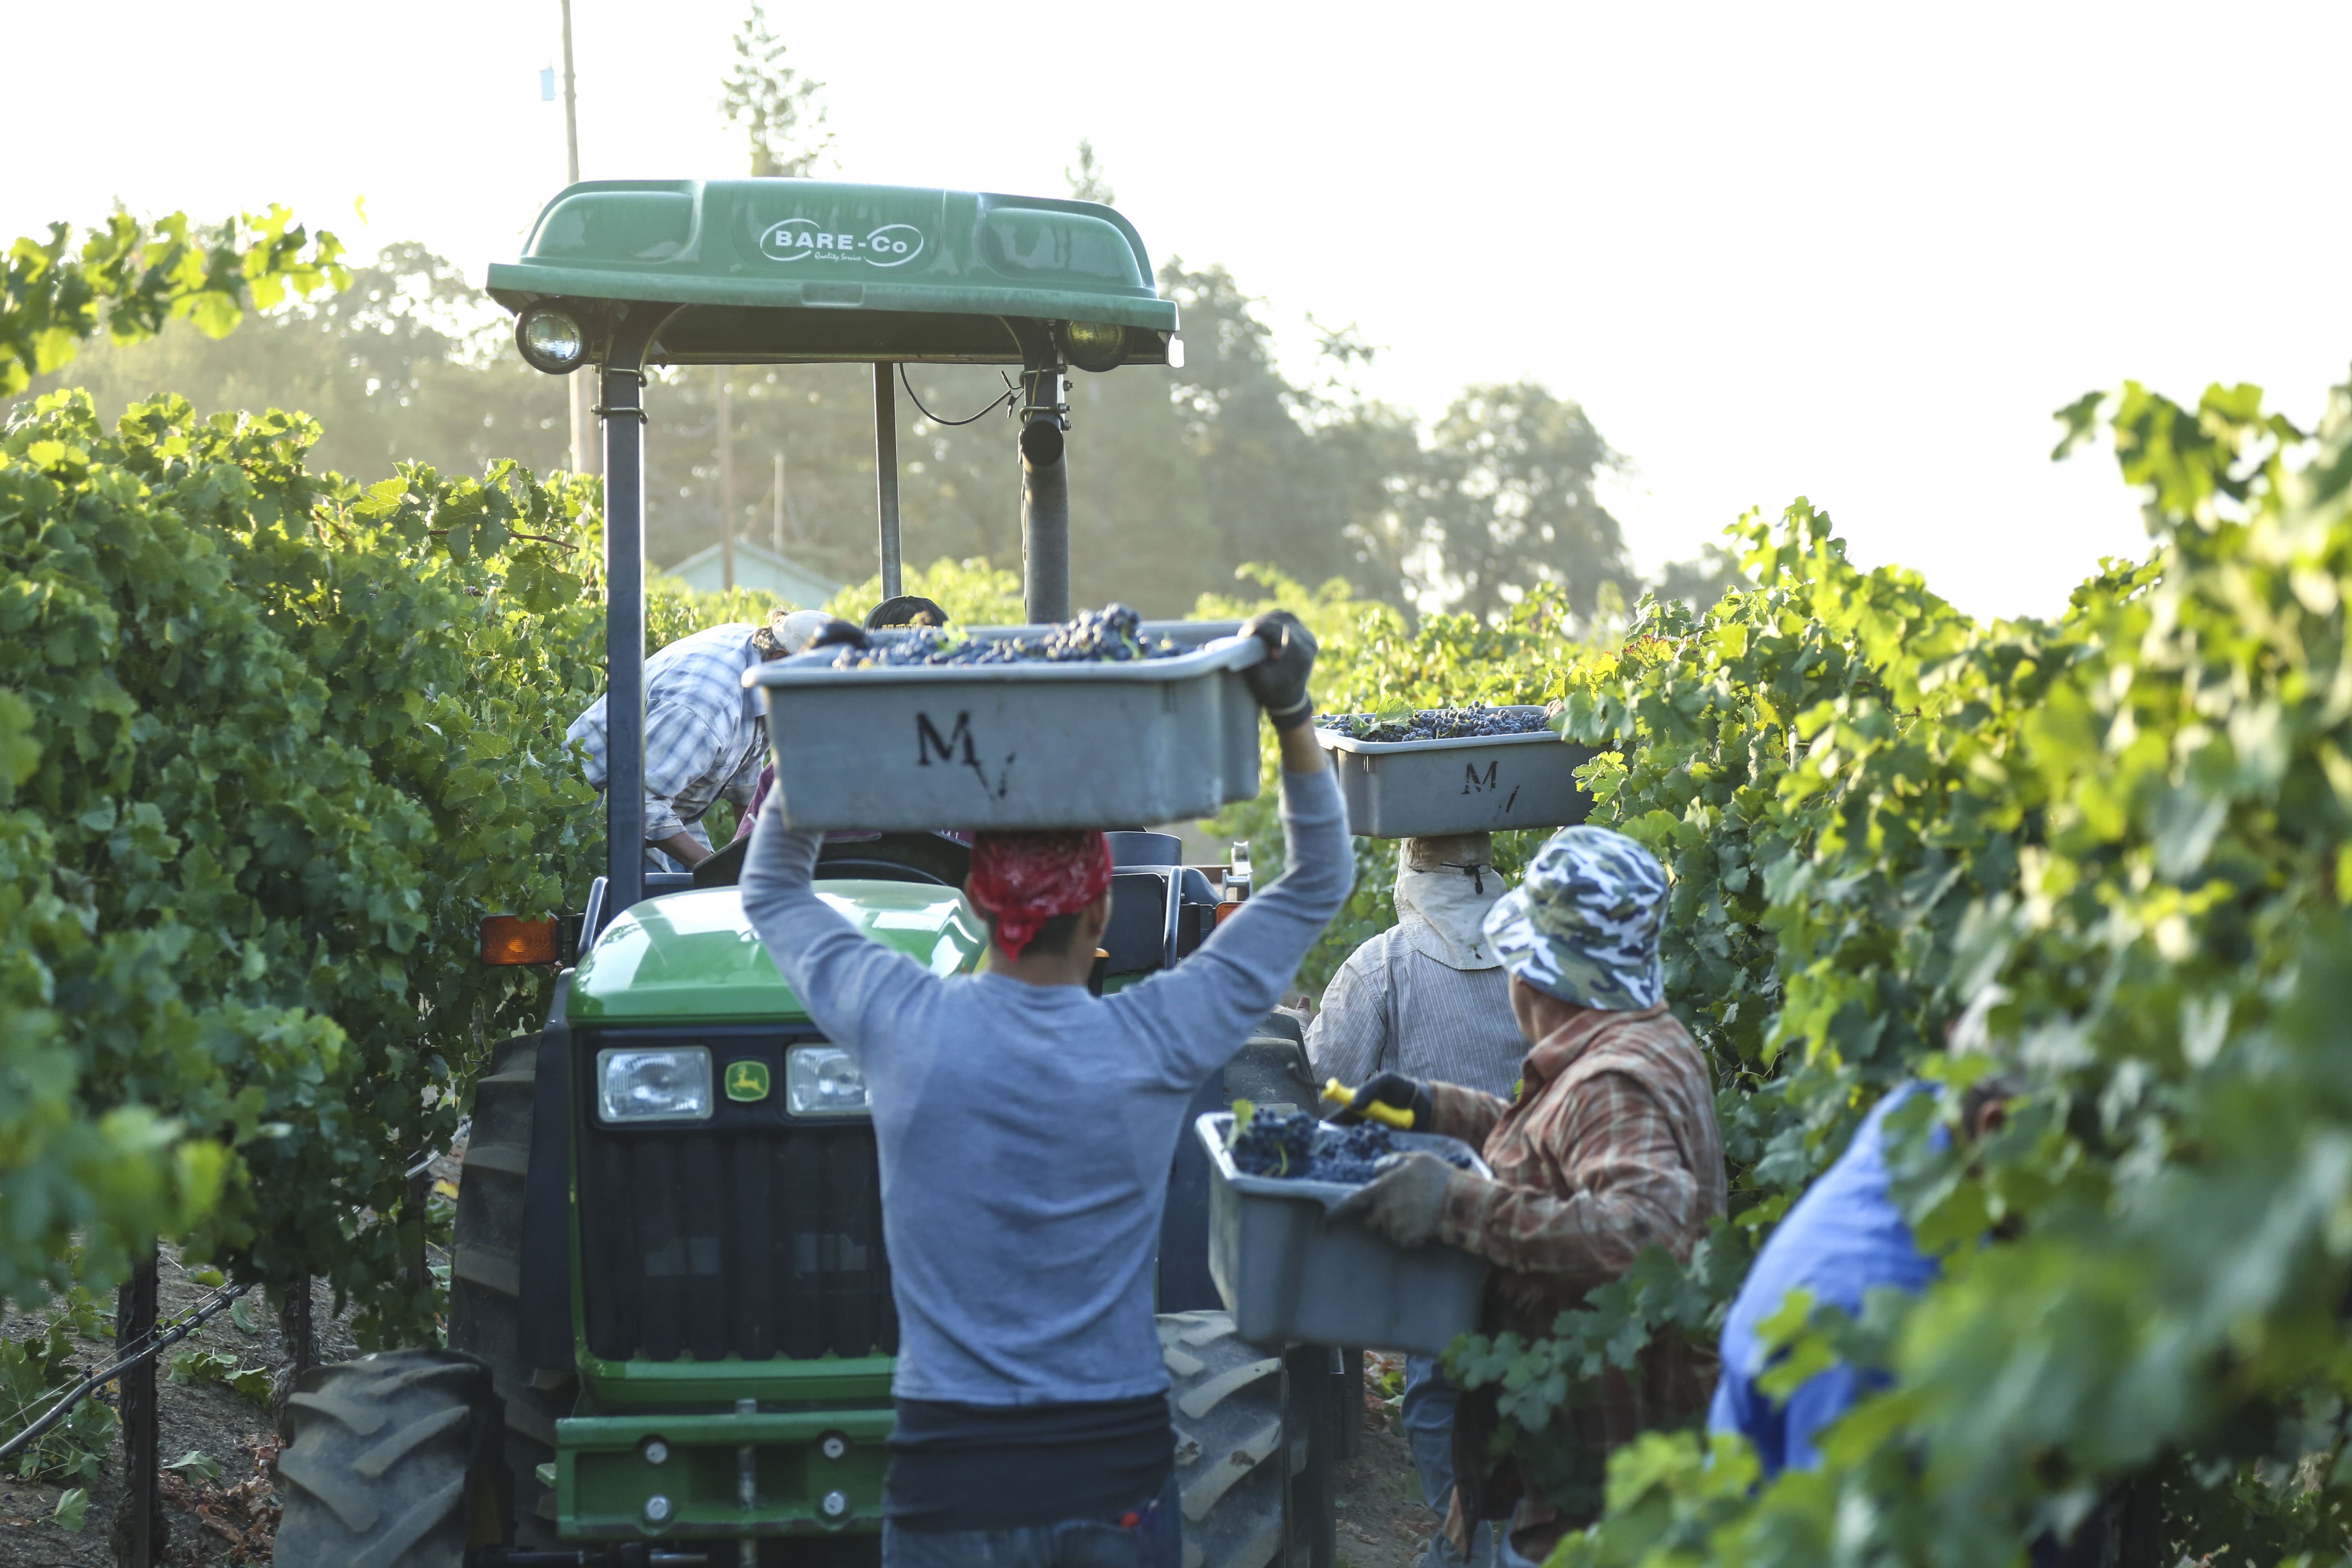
x=1854, y=252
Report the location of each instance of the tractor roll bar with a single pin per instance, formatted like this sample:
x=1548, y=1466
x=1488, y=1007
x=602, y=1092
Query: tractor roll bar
x=623, y=412
x=885, y=473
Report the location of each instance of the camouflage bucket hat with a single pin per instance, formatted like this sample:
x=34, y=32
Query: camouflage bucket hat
x=1583, y=924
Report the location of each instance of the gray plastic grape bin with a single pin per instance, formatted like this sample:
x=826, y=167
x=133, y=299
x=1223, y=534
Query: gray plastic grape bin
x=1290, y=1273
x=1486, y=783
x=1125, y=744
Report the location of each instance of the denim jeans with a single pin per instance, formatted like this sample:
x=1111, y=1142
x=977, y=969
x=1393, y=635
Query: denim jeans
x=1428, y=1417
x=1155, y=1540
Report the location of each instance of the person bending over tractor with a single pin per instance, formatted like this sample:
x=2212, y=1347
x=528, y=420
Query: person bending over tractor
x=706, y=733
x=1026, y=1129
x=1608, y=1148
x=1428, y=998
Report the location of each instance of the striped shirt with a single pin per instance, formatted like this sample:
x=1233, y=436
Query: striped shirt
x=1393, y=1008
x=706, y=734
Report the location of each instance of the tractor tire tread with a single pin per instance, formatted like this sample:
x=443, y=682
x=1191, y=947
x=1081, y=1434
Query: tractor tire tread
x=387, y=1455
x=1225, y=1402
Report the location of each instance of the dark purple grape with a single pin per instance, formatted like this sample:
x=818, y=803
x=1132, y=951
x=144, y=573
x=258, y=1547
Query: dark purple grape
x=1293, y=1146
x=1476, y=719
x=1112, y=633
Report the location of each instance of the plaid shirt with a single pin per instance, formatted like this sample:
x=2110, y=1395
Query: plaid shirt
x=1611, y=1148
x=706, y=734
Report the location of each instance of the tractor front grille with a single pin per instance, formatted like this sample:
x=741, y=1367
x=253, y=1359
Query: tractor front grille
x=762, y=1242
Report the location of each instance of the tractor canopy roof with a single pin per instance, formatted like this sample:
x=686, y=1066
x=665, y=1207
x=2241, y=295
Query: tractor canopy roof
x=809, y=270
x=691, y=956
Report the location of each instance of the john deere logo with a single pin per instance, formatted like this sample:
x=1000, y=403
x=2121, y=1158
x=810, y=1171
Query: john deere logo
x=805, y=240
x=747, y=1080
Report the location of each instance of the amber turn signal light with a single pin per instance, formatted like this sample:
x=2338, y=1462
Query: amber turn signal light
x=508, y=941
x=1228, y=907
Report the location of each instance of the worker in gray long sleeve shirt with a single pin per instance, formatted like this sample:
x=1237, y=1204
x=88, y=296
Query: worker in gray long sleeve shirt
x=1026, y=1129
x=1428, y=999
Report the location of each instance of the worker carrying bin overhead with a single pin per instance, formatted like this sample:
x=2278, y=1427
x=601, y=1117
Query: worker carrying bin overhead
x=1608, y=1148
x=1025, y=1130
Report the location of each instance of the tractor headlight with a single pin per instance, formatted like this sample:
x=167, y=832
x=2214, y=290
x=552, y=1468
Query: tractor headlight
x=669, y=1084
x=824, y=1081
x=550, y=339
x=1093, y=345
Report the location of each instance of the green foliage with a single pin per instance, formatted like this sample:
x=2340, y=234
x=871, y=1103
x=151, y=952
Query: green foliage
x=73, y=1509
x=2114, y=842
x=196, y=1465
x=1371, y=657
x=271, y=744
x=197, y=1368
x=34, y=1373
x=973, y=593
x=130, y=277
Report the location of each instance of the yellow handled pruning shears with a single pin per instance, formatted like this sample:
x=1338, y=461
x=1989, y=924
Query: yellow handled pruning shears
x=1378, y=1110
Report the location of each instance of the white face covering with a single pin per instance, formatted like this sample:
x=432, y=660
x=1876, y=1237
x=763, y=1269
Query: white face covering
x=1442, y=910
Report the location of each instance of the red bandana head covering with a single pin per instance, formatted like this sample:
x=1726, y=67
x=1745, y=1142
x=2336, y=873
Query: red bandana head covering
x=1026, y=879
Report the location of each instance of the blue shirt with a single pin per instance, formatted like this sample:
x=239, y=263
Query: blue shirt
x=1025, y=1131
x=1844, y=1238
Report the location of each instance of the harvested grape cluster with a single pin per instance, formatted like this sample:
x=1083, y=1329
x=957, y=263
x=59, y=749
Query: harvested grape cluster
x=1435, y=723
x=1295, y=1146
x=1112, y=634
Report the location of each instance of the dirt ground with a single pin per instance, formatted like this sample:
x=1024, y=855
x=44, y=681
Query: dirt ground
x=208, y=1520
x=1382, y=1523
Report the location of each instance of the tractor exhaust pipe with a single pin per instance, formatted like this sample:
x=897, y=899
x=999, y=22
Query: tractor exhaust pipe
x=1044, y=523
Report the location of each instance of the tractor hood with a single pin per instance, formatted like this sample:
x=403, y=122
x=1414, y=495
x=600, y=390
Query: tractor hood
x=692, y=956
x=813, y=270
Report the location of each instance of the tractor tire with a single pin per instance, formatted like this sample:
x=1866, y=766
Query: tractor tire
x=1253, y=1465
x=393, y=1463
x=486, y=1283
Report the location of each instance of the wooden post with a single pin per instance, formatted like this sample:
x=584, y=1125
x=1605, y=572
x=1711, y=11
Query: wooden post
x=134, y=1322
x=727, y=519
x=586, y=456
x=295, y=1328
x=412, y=1232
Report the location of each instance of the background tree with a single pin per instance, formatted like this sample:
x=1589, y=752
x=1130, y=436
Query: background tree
x=776, y=106
x=1503, y=499
x=405, y=363
x=1087, y=181
x=1703, y=579
x=1179, y=477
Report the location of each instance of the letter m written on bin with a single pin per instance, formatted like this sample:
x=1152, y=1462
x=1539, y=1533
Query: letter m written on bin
x=932, y=746
x=1472, y=784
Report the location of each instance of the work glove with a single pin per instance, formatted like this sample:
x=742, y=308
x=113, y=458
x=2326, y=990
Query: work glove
x=1392, y=1089
x=1405, y=1202
x=1279, y=681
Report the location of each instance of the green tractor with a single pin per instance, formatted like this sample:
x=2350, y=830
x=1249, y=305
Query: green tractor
x=671, y=1340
